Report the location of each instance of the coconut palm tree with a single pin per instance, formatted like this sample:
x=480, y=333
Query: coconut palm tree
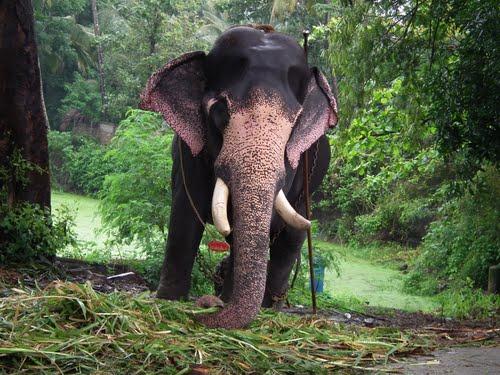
x=216, y=23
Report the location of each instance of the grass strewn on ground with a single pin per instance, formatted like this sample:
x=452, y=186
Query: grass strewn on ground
x=71, y=328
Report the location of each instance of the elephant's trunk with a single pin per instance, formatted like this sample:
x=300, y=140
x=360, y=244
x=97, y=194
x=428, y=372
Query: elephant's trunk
x=251, y=163
x=252, y=212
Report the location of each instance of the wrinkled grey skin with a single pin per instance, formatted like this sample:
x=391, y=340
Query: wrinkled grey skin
x=245, y=113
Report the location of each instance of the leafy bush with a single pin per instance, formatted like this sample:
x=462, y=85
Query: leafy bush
x=77, y=163
x=28, y=231
x=464, y=241
x=464, y=96
x=468, y=302
x=61, y=150
x=135, y=198
x=88, y=166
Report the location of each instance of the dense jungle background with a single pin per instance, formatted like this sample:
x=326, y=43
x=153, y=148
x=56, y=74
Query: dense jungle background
x=414, y=180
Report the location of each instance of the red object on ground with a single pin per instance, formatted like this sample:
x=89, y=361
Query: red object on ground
x=218, y=246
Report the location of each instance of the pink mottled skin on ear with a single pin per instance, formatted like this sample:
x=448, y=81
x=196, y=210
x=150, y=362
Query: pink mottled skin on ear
x=319, y=113
x=325, y=87
x=176, y=91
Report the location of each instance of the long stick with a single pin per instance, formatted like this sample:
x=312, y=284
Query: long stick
x=309, y=235
x=305, y=33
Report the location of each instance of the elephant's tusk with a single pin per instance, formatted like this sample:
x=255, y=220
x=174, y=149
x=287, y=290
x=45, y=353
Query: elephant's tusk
x=219, y=207
x=288, y=213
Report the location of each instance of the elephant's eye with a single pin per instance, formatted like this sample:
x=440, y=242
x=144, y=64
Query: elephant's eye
x=219, y=114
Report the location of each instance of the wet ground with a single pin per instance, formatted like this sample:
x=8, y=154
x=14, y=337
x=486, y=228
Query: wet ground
x=457, y=361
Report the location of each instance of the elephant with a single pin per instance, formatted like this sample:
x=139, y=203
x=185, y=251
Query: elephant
x=243, y=115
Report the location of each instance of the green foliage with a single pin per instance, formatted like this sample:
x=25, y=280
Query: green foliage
x=65, y=46
x=135, y=198
x=464, y=241
x=382, y=176
x=82, y=95
x=447, y=55
x=77, y=163
x=28, y=231
x=468, y=302
x=465, y=94
x=138, y=38
x=61, y=8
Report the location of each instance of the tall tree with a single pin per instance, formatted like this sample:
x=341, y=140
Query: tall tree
x=23, y=122
x=100, y=58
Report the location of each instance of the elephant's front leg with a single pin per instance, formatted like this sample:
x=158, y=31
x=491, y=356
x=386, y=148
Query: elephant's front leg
x=185, y=229
x=284, y=252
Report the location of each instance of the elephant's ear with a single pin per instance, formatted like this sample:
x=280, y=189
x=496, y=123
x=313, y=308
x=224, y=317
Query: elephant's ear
x=319, y=113
x=176, y=91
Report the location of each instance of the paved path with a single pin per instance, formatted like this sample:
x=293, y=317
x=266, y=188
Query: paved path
x=457, y=361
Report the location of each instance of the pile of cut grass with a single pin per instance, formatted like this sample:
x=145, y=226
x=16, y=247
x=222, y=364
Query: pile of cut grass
x=70, y=328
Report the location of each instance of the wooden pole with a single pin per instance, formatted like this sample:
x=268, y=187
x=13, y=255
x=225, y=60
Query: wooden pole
x=309, y=234
x=305, y=33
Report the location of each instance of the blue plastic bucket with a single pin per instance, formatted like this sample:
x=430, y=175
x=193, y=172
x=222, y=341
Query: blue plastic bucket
x=319, y=277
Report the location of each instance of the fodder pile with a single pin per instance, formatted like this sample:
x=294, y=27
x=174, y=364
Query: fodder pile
x=70, y=328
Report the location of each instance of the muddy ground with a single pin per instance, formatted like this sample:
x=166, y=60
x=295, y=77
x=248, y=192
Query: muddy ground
x=466, y=346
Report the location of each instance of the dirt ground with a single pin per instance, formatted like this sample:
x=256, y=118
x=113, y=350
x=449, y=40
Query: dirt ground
x=460, y=340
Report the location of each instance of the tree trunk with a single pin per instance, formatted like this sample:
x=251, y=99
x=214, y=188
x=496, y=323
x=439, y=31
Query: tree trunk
x=23, y=121
x=494, y=279
x=100, y=59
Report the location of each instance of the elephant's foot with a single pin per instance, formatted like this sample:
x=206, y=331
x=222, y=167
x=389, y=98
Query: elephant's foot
x=171, y=293
x=209, y=301
x=274, y=301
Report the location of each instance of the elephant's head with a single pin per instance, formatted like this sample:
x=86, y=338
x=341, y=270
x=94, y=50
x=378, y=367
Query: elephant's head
x=254, y=105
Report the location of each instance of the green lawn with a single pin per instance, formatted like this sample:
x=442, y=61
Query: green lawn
x=87, y=224
x=376, y=284
x=87, y=219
